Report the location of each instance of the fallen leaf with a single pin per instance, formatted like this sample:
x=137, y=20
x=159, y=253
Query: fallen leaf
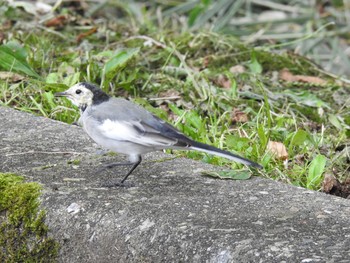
x=238, y=116
x=237, y=69
x=331, y=185
x=223, y=81
x=86, y=34
x=286, y=75
x=10, y=76
x=57, y=21
x=278, y=149
x=234, y=175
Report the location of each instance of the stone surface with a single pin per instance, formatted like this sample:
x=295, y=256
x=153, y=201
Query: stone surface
x=170, y=213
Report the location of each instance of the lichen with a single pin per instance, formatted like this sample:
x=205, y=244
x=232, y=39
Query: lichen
x=23, y=233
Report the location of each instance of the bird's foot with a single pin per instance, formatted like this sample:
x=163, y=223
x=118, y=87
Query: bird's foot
x=116, y=184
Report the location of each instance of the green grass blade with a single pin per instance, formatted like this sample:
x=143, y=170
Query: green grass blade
x=224, y=20
x=117, y=62
x=13, y=58
x=316, y=169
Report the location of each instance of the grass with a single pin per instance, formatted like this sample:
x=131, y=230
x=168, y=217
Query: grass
x=188, y=79
x=23, y=233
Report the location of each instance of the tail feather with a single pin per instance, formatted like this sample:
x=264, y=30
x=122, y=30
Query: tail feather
x=218, y=152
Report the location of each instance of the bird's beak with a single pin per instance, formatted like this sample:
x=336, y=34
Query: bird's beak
x=61, y=94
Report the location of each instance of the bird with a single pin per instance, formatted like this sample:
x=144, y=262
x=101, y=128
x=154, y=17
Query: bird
x=124, y=127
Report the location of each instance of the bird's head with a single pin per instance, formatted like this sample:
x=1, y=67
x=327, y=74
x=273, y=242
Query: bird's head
x=83, y=95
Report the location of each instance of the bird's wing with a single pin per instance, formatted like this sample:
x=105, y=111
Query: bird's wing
x=123, y=120
x=137, y=132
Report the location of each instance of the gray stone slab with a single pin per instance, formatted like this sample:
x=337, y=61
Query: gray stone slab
x=170, y=213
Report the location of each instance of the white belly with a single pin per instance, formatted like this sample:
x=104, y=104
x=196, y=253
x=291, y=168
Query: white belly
x=115, y=145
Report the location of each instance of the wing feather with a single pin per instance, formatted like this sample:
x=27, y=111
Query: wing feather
x=135, y=132
x=123, y=120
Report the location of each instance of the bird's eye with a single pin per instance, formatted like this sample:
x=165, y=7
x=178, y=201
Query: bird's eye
x=78, y=91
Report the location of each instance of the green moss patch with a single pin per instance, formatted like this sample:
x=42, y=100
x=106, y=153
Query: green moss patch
x=23, y=233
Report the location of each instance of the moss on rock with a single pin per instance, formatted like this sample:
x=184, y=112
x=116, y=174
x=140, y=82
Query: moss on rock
x=23, y=233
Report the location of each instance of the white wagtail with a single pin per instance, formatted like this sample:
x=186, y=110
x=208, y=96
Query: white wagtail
x=124, y=127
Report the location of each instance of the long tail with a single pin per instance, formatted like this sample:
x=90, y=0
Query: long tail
x=216, y=151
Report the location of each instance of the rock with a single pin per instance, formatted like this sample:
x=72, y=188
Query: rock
x=168, y=212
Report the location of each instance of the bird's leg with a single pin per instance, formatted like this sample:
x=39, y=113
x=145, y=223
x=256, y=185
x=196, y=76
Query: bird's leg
x=131, y=170
x=134, y=165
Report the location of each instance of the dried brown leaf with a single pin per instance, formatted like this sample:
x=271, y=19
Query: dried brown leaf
x=278, y=149
x=238, y=116
x=57, y=21
x=81, y=36
x=223, y=82
x=10, y=76
x=286, y=75
x=169, y=94
x=330, y=183
x=237, y=69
